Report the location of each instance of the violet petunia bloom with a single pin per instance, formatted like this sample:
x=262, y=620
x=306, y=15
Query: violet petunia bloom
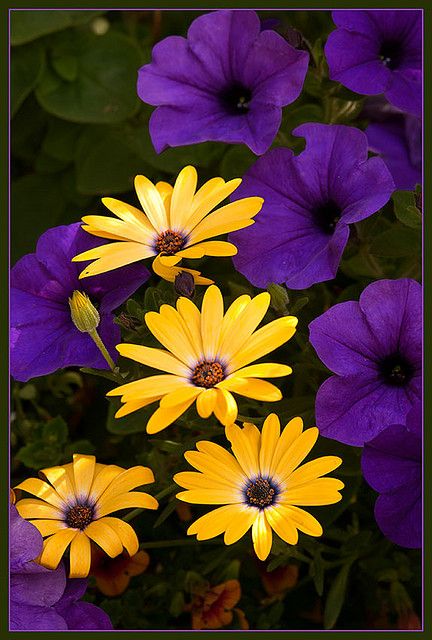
x=398, y=141
x=392, y=465
x=374, y=347
x=227, y=81
x=42, y=599
x=309, y=201
x=379, y=51
x=43, y=337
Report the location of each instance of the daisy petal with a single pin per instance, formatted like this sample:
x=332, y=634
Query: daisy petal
x=208, y=197
x=240, y=523
x=131, y=406
x=55, y=546
x=212, y=312
x=156, y=358
x=210, y=248
x=105, y=537
x=180, y=396
x=48, y=527
x=244, y=325
x=164, y=417
x=84, y=469
x=104, y=475
x=296, y=453
x=210, y=496
x=152, y=203
x=226, y=407
x=192, y=318
x=206, y=402
x=231, y=217
x=41, y=490
x=245, y=448
x=264, y=370
x=127, y=480
x=269, y=439
x=124, y=253
x=182, y=197
x=314, y=469
x=34, y=508
x=80, y=556
x=149, y=387
x=132, y=499
x=290, y=433
x=316, y=493
x=251, y=388
x=128, y=213
x=213, y=523
x=125, y=532
x=266, y=339
x=62, y=479
x=279, y=519
x=304, y=521
x=261, y=536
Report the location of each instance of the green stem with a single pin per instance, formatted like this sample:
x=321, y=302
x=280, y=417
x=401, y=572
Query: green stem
x=102, y=348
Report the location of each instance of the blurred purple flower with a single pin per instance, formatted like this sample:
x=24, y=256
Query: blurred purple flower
x=43, y=337
x=399, y=142
x=392, y=465
x=309, y=201
x=374, y=347
x=228, y=82
x=41, y=599
x=379, y=51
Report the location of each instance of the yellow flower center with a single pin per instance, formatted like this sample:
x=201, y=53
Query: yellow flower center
x=169, y=242
x=207, y=374
x=260, y=493
x=79, y=516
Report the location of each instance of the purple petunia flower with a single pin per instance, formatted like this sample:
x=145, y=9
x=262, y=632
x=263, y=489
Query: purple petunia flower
x=42, y=599
x=379, y=51
x=43, y=337
x=228, y=82
x=309, y=201
x=392, y=465
x=374, y=347
x=399, y=142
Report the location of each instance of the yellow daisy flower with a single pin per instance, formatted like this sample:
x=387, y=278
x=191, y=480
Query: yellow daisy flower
x=176, y=224
x=71, y=508
x=207, y=359
x=262, y=485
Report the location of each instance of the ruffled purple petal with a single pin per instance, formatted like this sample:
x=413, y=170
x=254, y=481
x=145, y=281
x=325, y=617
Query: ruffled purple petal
x=26, y=541
x=399, y=516
x=36, y=585
x=405, y=91
x=25, y=617
x=354, y=409
x=84, y=615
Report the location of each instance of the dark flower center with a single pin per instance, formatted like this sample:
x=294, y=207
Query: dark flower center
x=169, y=242
x=79, y=516
x=327, y=215
x=207, y=374
x=391, y=54
x=396, y=370
x=260, y=493
x=236, y=99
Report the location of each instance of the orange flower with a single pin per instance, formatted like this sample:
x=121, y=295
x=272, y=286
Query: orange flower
x=113, y=574
x=213, y=608
x=279, y=580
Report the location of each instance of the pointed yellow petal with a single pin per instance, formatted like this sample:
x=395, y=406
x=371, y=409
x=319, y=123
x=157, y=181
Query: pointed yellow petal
x=261, y=536
x=213, y=459
x=130, y=407
x=55, y=546
x=266, y=339
x=226, y=407
x=296, y=453
x=170, y=273
x=279, y=518
x=176, y=322
x=125, y=532
x=126, y=230
x=180, y=396
x=112, y=250
x=212, y=312
x=156, y=358
x=244, y=325
x=211, y=248
x=152, y=203
x=245, y=444
x=101, y=533
x=48, y=527
x=206, y=402
x=164, y=417
x=84, y=469
x=194, y=480
x=315, y=493
x=128, y=213
x=41, y=490
x=192, y=319
x=62, y=479
x=182, y=197
x=80, y=556
x=165, y=191
x=269, y=439
x=251, y=388
x=124, y=253
x=290, y=433
x=127, y=480
x=314, y=469
x=132, y=499
x=304, y=521
x=104, y=475
x=34, y=508
x=149, y=387
x=208, y=197
x=211, y=496
x=95, y=231
x=232, y=314
x=213, y=523
x=264, y=370
x=231, y=217
x=171, y=334
x=240, y=523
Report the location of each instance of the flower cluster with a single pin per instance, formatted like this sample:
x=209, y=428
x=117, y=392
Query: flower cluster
x=300, y=218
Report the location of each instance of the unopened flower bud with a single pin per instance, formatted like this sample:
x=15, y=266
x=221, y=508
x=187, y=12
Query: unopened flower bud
x=184, y=284
x=84, y=314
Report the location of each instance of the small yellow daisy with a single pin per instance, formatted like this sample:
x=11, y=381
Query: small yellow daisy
x=176, y=224
x=207, y=359
x=71, y=508
x=262, y=485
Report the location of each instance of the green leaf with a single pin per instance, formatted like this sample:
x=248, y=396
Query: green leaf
x=55, y=432
x=336, y=597
x=405, y=209
x=28, y=25
x=61, y=139
x=106, y=161
x=134, y=423
x=316, y=570
x=66, y=66
x=36, y=455
x=84, y=447
x=104, y=89
x=236, y=162
x=397, y=242
x=166, y=512
x=27, y=64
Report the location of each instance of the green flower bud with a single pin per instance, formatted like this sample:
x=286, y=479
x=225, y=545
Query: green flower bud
x=84, y=314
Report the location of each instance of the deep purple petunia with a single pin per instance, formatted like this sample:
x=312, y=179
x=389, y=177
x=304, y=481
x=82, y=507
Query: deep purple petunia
x=374, y=347
x=42, y=599
x=379, y=51
x=228, y=82
x=309, y=201
x=392, y=465
x=399, y=142
x=43, y=337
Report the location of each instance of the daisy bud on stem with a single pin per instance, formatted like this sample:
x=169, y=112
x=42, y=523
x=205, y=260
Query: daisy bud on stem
x=86, y=318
